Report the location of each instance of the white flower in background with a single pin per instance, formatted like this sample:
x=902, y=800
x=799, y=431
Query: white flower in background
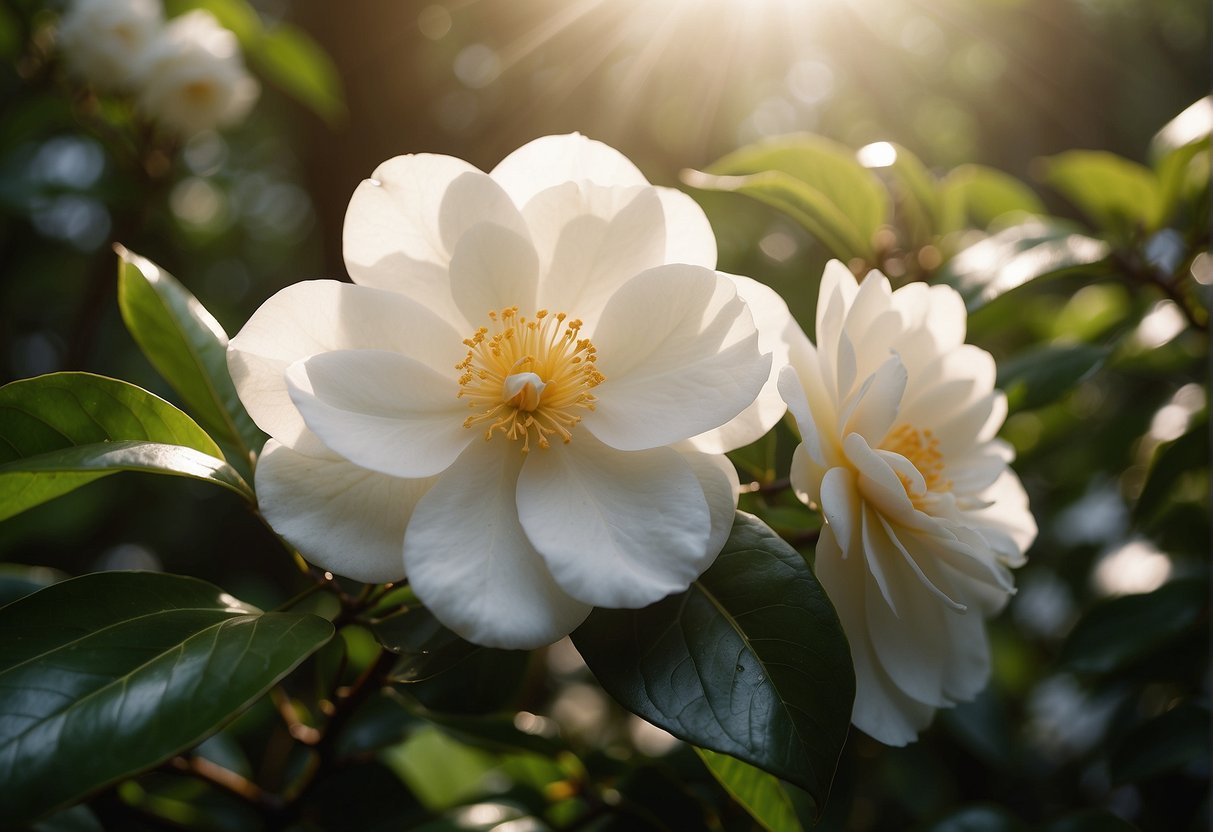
x=103, y=41
x=521, y=401
x=193, y=76
x=923, y=517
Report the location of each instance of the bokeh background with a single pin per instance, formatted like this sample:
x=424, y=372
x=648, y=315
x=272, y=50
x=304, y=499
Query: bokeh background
x=674, y=84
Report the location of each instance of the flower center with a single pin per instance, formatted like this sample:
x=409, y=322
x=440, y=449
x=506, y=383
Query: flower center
x=921, y=448
x=528, y=378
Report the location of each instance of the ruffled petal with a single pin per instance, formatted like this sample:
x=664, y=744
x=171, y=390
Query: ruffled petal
x=317, y=316
x=680, y=354
x=470, y=563
x=551, y=160
x=617, y=529
x=382, y=410
x=340, y=516
x=777, y=331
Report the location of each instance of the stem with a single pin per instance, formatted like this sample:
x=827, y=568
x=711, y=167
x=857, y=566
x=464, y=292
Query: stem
x=225, y=780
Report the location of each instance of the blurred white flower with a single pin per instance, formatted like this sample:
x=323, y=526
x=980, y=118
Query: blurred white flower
x=193, y=76
x=522, y=401
x=923, y=517
x=103, y=41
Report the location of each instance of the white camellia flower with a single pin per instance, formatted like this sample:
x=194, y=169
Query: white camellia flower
x=923, y=517
x=193, y=76
x=521, y=401
x=103, y=41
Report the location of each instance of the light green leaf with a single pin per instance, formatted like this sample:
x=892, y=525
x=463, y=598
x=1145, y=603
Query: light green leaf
x=975, y=195
x=1192, y=125
x=64, y=430
x=109, y=674
x=759, y=793
x=917, y=194
x=237, y=15
x=1181, y=174
x=815, y=181
x=1018, y=255
x=293, y=61
x=1116, y=194
x=750, y=661
x=1041, y=376
x=188, y=347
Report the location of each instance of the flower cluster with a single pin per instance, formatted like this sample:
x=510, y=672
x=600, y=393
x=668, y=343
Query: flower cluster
x=523, y=400
x=186, y=75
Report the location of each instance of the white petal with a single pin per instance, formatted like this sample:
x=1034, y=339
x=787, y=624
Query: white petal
x=718, y=479
x=322, y=315
x=616, y=528
x=403, y=223
x=471, y=564
x=604, y=237
x=805, y=476
x=551, y=160
x=688, y=234
x=871, y=410
x=1009, y=514
x=341, y=517
x=493, y=268
x=680, y=354
x=792, y=392
x=382, y=410
x=777, y=330
x=840, y=505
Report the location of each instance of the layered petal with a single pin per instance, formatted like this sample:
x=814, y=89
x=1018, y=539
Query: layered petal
x=471, y=564
x=340, y=516
x=679, y=351
x=617, y=528
x=552, y=160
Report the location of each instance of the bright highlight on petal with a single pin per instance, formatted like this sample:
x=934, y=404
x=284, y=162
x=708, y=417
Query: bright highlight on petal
x=527, y=379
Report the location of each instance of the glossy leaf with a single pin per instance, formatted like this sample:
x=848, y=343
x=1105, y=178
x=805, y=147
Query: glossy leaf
x=1115, y=193
x=1043, y=375
x=188, y=347
x=426, y=648
x=18, y=580
x=293, y=61
x=975, y=195
x=1187, y=453
x=1017, y=255
x=1118, y=632
x=108, y=674
x=1168, y=742
x=750, y=661
x=759, y=793
x=815, y=181
x=64, y=430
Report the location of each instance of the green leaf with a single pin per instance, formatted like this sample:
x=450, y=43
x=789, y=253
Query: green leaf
x=18, y=580
x=64, y=430
x=426, y=648
x=1166, y=743
x=187, y=346
x=1017, y=255
x=293, y=61
x=237, y=15
x=1115, y=193
x=1043, y=375
x=1179, y=178
x=1118, y=632
x=916, y=194
x=978, y=819
x=1188, y=452
x=815, y=181
x=1089, y=820
x=109, y=674
x=760, y=794
x=750, y=661
x=977, y=195
x=1192, y=125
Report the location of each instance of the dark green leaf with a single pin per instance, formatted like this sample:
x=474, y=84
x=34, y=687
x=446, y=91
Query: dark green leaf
x=815, y=181
x=975, y=195
x=1114, y=193
x=425, y=646
x=1091, y=820
x=1017, y=255
x=492, y=732
x=1167, y=743
x=977, y=819
x=750, y=661
x=293, y=61
x=1118, y=632
x=61, y=431
x=1187, y=453
x=188, y=347
x=75, y=819
x=1043, y=375
x=108, y=674
x=17, y=580
x=759, y=793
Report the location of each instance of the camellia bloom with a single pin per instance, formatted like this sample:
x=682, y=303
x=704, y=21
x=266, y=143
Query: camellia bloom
x=521, y=401
x=193, y=76
x=923, y=517
x=103, y=41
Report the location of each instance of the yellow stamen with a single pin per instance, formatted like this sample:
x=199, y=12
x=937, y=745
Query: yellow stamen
x=921, y=448
x=527, y=378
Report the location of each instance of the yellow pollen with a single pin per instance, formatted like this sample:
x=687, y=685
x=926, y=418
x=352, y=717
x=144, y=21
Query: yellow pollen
x=527, y=379
x=921, y=448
